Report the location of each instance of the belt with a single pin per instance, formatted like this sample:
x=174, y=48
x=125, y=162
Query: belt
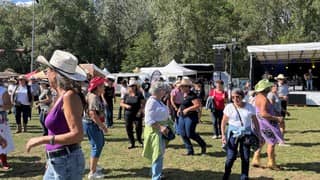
x=62, y=151
x=87, y=121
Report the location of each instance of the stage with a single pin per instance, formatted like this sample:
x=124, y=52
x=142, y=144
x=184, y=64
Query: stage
x=310, y=98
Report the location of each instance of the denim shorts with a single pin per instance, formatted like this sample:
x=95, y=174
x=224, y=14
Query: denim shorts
x=96, y=138
x=68, y=167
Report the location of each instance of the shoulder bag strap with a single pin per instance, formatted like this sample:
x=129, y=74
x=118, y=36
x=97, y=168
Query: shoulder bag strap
x=238, y=114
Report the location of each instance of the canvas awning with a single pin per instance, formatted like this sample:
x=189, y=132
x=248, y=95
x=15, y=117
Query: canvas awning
x=286, y=52
x=174, y=69
x=93, y=70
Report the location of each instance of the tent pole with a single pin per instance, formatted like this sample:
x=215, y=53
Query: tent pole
x=250, y=71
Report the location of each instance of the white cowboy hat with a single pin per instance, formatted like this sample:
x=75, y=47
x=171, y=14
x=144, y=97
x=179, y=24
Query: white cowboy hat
x=66, y=64
x=280, y=76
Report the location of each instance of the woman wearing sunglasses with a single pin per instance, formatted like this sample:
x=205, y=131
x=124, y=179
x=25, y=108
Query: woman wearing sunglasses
x=240, y=116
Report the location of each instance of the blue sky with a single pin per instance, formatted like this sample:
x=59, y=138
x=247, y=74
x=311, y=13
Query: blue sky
x=15, y=1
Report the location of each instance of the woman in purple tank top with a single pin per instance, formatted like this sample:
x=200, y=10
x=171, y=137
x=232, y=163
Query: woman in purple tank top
x=269, y=124
x=65, y=159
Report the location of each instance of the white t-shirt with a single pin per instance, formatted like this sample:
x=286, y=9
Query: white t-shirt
x=246, y=114
x=123, y=91
x=155, y=111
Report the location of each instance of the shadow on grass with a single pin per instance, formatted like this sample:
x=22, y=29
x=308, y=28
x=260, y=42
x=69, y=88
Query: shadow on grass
x=29, y=167
x=308, y=166
x=170, y=173
x=109, y=139
x=305, y=144
x=311, y=131
x=262, y=178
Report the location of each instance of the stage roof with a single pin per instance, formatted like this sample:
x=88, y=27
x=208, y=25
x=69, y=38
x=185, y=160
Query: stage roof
x=286, y=52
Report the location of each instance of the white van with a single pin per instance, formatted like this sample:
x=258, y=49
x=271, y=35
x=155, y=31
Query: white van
x=140, y=77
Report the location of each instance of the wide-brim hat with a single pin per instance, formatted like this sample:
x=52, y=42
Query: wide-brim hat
x=280, y=76
x=22, y=77
x=262, y=85
x=66, y=64
x=44, y=81
x=111, y=78
x=12, y=80
x=132, y=82
x=95, y=82
x=186, y=82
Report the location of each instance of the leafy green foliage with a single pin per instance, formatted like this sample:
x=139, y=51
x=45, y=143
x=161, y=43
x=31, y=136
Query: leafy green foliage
x=124, y=34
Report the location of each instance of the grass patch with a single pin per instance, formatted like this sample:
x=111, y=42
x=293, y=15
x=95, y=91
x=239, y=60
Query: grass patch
x=301, y=160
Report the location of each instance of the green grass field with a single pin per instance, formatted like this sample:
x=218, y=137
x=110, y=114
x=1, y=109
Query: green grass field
x=300, y=161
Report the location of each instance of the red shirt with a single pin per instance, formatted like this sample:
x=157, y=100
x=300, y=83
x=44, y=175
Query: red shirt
x=219, y=98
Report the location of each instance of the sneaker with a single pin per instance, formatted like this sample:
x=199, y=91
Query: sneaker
x=99, y=168
x=215, y=137
x=219, y=137
x=96, y=175
x=284, y=145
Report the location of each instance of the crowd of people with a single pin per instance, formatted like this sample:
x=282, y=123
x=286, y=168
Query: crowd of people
x=71, y=106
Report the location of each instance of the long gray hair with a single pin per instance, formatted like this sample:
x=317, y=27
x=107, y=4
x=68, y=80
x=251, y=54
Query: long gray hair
x=69, y=84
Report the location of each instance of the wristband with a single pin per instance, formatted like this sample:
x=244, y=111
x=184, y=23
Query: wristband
x=52, y=140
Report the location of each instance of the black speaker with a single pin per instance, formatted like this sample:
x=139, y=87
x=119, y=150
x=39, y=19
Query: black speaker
x=297, y=99
x=219, y=61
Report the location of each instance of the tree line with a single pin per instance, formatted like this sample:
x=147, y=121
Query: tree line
x=123, y=34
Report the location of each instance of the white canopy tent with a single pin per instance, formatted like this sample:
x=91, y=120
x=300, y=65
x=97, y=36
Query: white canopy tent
x=174, y=69
x=284, y=53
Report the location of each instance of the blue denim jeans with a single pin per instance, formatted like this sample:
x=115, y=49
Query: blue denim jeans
x=68, y=167
x=232, y=150
x=43, y=115
x=95, y=137
x=157, y=166
x=216, y=121
x=310, y=85
x=187, y=129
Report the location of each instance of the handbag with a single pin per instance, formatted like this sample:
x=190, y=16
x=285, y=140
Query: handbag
x=170, y=136
x=251, y=139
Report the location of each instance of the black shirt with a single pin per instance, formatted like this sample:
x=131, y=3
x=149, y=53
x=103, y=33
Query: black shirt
x=109, y=94
x=134, y=102
x=145, y=86
x=187, y=102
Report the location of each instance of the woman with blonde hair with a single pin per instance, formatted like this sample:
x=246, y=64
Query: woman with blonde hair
x=268, y=122
x=64, y=120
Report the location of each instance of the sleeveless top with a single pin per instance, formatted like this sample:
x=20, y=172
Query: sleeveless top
x=270, y=130
x=56, y=123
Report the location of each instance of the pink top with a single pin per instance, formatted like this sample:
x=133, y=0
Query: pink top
x=177, y=96
x=219, y=98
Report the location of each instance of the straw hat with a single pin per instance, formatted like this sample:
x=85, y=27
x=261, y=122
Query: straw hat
x=185, y=82
x=22, y=77
x=66, y=64
x=280, y=76
x=262, y=85
x=13, y=80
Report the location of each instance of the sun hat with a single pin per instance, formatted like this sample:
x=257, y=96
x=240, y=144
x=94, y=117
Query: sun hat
x=132, y=82
x=22, y=77
x=44, y=81
x=66, y=64
x=111, y=78
x=95, y=82
x=185, y=82
x=280, y=76
x=12, y=80
x=262, y=85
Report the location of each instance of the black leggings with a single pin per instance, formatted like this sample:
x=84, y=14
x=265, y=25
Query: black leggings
x=131, y=119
